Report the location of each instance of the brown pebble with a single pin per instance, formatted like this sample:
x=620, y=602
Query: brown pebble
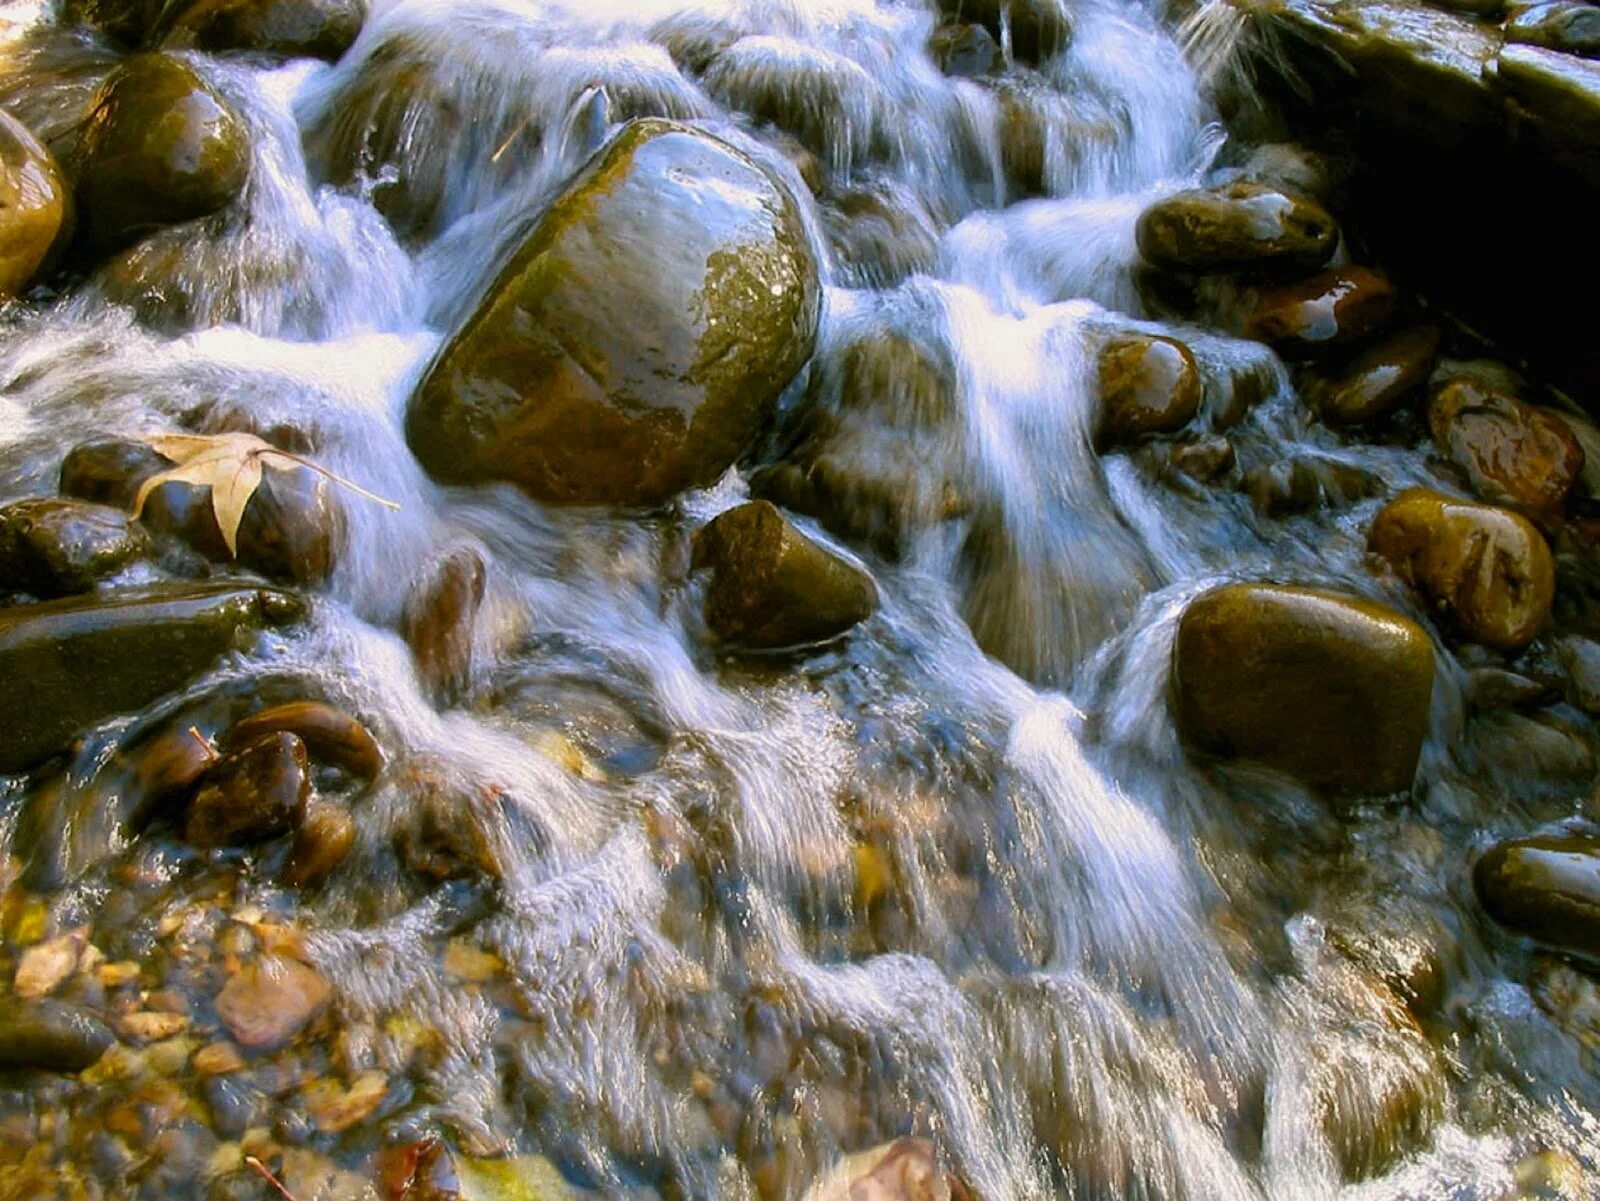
x=252, y=794
x=438, y=622
x=270, y=1001
x=320, y=844
x=218, y=1059
x=330, y=735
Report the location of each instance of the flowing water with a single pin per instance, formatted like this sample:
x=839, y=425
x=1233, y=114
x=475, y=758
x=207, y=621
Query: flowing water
x=756, y=915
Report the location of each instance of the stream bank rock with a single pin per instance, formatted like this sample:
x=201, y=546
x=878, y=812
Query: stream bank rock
x=82, y=660
x=772, y=587
x=158, y=147
x=35, y=206
x=1238, y=226
x=1330, y=689
x=1545, y=888
x=1488, y=571
x=637, y=341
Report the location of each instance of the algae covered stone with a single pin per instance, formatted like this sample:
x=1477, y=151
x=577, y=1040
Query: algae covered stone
x=636, y=342
x=1333, y=690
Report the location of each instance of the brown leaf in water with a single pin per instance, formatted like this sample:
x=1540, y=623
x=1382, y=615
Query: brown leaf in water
x=232, y=466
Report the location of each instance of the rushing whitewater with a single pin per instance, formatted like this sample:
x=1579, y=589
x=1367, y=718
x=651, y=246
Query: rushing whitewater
x=1086, y=966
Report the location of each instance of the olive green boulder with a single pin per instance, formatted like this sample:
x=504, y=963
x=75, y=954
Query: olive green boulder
x=35, y=206
x=1545, y=888
x=71, y=664
x=158, y=147
x=771, y=587
x=636, y=342
x=1332, y=690
x=1238, y=226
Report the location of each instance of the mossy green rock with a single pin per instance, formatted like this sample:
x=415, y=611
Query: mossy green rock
x=50, y=1036
x=772, y=587
x=295, y=28
x=1330, y=689
x=1238, y=226
x=70, y=664
x=637, y=341
x=158, y=147
x=1545, y=888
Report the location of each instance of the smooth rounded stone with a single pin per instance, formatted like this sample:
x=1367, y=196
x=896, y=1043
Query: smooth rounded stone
x=1545, y=888
x=85, y=659
x=293, y=28
x=51, y=547
x=1305, y=484
x=1238, y=226
x=1580, y=659
x=1327, y=310
x=440, y=615
x=1565, y=25
x=1148, y=385
x=879, y=237
x=269, y=1001
x=1492, y=688
x=158, y=147
x=637, y=342
x=1330, y=689
x=772, y=587
x=292, y=528
x=330, y=735
x=250, y=795
x=1511, y=453
x=1487, y=571
x=50, y=1036
x=1037, y=29
x=164, y=769
x=35, y=206
x=1378, y=380
x=321, y=843
x=965, y=50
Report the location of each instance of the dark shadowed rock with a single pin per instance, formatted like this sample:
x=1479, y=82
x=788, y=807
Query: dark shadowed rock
x=250, y=795
x=52, y=547
x=293, y=28
x=50, y=1036
x=1378, y=380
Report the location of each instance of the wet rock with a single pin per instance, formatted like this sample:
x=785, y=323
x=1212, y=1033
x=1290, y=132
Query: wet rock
x=1148, y=385
x=87, y=659
x=1037, y=29
x=440, y=616
x=637, y=341
x=1239, y=226
x=1306, y=483
x=45, y=966
x=1545, y=888
x=321, y=843
x=54, y=548
x=269, y=1001
x=966, y=51
x=1580, y=659
x=252, y=794
x=164, y=769
x=1206, y=458
x=1330, y=689
x=1565, y=25
x=1554, y=100
x=1328, y=310
x=129, y=21
x=292, y=529
x=1484, y=570
x=330, y=735
x=879, y=237
x=35, y=206
x=1296, y=169
x=49, y=1036
x=773, y=587
x=158, y=147
x=1491, y=688
x=1511, y=453
x=1378, y=380
x=293, y=28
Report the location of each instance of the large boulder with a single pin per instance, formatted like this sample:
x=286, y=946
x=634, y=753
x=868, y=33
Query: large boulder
x=159, y=146
x=70, y=664
x=1238, y=226
x=1485, y=570
x=1510, y=452
x=637, y=340
x=34, y=205
x=771, y=587
x=1545, y=888
x=1330, y=689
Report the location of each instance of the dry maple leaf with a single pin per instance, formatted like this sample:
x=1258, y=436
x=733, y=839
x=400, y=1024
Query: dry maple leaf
x=232, y=466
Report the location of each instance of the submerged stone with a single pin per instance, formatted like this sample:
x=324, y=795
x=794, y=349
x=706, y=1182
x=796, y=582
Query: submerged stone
x=1238, y=226
x=323, y=841
x=1545, y=888
x=83, y=660
x=35, y=206
x=772, y=587
x=1148, y=385
x=1328, y=310
x=293, y=28
x=267, y=1002
x=1511, y=453
x=50, y=1036
x=1378, y=380
x=637, y=341
x=1330, y=689
x=158, y=147
x=252, y=794
x=53, y=547
x=1485, y=570
x=438, y=621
